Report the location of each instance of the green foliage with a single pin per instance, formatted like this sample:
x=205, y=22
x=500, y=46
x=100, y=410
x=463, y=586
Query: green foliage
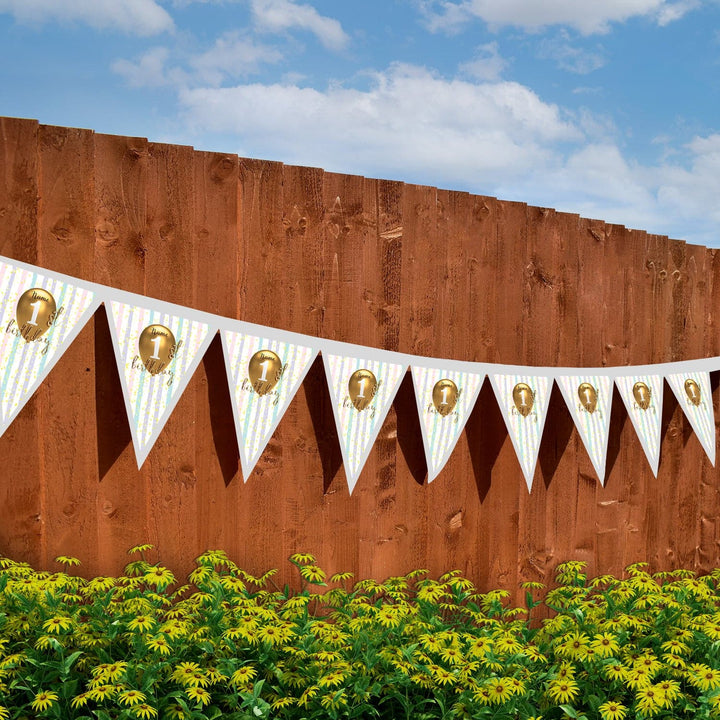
x=230, y=645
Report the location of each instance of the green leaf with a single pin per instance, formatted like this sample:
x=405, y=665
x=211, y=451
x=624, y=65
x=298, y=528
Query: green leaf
x=569, y=711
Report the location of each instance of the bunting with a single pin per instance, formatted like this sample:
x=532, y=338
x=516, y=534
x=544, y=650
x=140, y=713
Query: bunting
x=642, y=395
x=445, y=399
x=693, y=394
x=157, y=353
x=41, y=316
x=362, y=390
x=158, y=346
x=264, y=375
x=589, y=398
x=523, y=400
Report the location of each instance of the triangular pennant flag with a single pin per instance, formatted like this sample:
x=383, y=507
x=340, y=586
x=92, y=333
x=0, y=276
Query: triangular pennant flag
x=695, y=397
x=523, y=400
x=157, y=352
x=362, y=391
x=41, y=315
x=445, y=400
x=589, y=399
x=643, y=398
x=263, y=375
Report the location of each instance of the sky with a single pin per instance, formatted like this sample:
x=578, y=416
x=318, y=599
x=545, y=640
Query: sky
x=608, y=109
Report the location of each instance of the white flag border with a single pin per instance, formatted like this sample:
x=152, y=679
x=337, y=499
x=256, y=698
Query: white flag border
x=66, y=342
x=420, y=408
x=377, y=356
x=543, y=417
x=246, y=465
x=570, y=402
x=104, y=294
x=141, y=454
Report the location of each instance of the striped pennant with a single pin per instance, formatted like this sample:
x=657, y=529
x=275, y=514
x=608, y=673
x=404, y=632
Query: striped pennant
x=358, y=428
x=643, y=398
x=589, y=399
x=25, y=363
x=695, y=397
x=260, y=402
x=149, y=399
x=523, y=401
x=443, y=417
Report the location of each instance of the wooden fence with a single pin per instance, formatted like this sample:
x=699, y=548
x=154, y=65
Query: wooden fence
x=373, y=262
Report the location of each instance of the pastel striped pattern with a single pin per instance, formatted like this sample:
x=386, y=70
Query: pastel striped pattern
x=152, y=397
x=441, y=434
x=358, y=430
x=594, y=428
x=646, y=422
x=22, y=364
x=257, y=415
x=701, y=416
x=525, y=432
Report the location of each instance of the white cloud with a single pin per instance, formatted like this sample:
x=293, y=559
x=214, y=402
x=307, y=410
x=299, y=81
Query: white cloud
x=141, y=17
x=232, y=56
x=572, y=58
x=487, y=63
x=410, y=122
x=281, y=15
x=531, y=15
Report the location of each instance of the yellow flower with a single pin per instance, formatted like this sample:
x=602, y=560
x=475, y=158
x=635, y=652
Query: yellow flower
x=500, y=691
x=649, y=701
x=478, y=647
x=562, y=691
x=313, y=574
x=243, y=675
x=144, y=711
x=670, y=690
x=142, y=623
x=508, y=644
x=605, y=645
x=159, y=644
x=442, y=676
x=79, y=700
x=57, y=623
x=44, y=700
x=705, y=678
x=675, y=647
x=100, y=692
x=332, y=679
x=273, y=634
x=131, y=697
x=303, y=559
x=451, y=655
x=612, y=710
x=574, y=646
x=200, y=695
x=159, y=577
x=4, y=713
x=175, y=712
x=67, y=560
x=140, y=549
x=282, y=702
x=335, y=701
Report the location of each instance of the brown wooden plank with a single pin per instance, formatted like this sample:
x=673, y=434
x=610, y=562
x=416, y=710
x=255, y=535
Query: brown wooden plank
x=69, y=452
x=22, y=512
x=120, y=251
x=169, y=474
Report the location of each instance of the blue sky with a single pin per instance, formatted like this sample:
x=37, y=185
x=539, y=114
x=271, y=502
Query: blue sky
x=607, y=109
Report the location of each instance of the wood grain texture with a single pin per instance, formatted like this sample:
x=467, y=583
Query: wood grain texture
x=372, y=262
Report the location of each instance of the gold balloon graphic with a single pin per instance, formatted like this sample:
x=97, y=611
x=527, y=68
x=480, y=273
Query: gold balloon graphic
x=692, y=390
x=642, y=394
x=588, y=396
x=362, y=387
x=157, y=348
x=445, y=396
x=524, y=398
x=36, y=310
x=264, y=370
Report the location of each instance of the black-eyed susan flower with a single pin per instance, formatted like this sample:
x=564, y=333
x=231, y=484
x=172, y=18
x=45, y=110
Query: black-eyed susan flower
x=563, y=690
x=57, y=624
x=4, y=713
x=649, y=701
x=705, y=678
x=243, y=676
x=143, y=623
x=67, y=560
x=80, y=701
x=201, y=696
x=605, y=644
x=612, y=710
x=144, y=711
x=43, y=700
x=131, y=697
x=175, y=712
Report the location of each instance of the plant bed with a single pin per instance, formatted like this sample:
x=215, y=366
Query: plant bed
x=230, y=645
